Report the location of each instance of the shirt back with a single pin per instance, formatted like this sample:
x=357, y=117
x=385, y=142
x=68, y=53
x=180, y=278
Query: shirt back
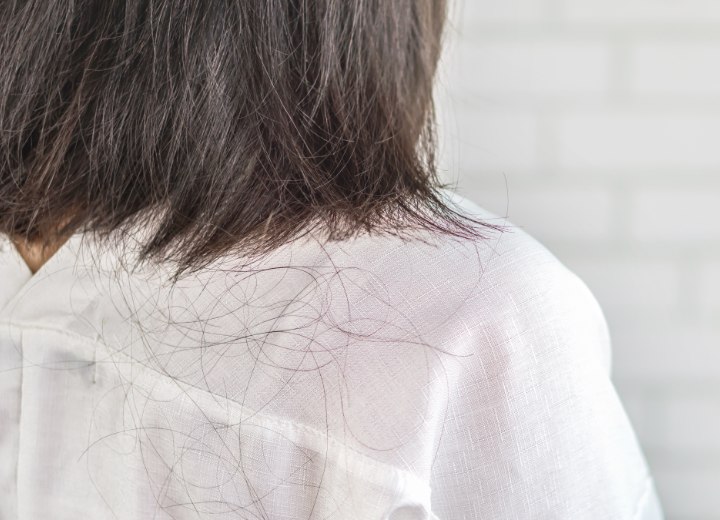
x=372, y=378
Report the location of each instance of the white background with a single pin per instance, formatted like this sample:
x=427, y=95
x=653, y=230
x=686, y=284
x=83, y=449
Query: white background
x=595, y=126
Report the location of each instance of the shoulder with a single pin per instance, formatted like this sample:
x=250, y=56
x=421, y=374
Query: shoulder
x=530, y=395
x=525, y=286
x=490, y=288
x=512, y=259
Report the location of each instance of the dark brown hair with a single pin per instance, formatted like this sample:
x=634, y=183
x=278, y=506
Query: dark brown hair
x=229, y=124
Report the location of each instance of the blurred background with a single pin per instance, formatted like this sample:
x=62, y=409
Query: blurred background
x=595, y=126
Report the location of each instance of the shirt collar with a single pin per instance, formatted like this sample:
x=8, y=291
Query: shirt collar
x=15, y=275
x=14, y=272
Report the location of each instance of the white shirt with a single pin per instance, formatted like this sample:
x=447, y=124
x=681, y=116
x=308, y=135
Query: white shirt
x=368, y=379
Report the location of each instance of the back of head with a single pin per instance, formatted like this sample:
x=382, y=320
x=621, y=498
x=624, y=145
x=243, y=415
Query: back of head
x=223, y=125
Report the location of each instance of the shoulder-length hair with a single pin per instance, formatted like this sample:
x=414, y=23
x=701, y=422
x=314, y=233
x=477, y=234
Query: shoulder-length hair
x=227, y=124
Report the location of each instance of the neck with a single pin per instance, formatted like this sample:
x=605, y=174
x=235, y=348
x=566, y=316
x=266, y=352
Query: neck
x=36, y=254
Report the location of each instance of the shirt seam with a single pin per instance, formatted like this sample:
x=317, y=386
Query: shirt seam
x=375, y=466
x=19, y=431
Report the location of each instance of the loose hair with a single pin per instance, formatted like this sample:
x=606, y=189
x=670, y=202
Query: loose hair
x=231, y=124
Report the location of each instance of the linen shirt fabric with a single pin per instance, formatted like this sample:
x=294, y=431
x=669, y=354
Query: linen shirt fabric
x=371, y=378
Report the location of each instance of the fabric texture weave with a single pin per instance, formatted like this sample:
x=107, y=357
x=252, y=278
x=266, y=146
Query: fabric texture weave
x=373, y=378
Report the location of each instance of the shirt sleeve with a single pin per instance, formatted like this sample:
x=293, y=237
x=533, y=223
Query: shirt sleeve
x=534, y=428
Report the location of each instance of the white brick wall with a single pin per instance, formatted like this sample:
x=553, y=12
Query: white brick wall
x=699, y=415
x=624, y=140
x=595, y=126
x=694, y=492
x=484, y=11
x=544, y=66
x=708, y=297
x=685, y=215
x=499, y=140
x=677, y=355
x=642, y=12
x=675, y=68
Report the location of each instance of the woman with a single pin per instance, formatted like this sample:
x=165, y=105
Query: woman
x=231, y=285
